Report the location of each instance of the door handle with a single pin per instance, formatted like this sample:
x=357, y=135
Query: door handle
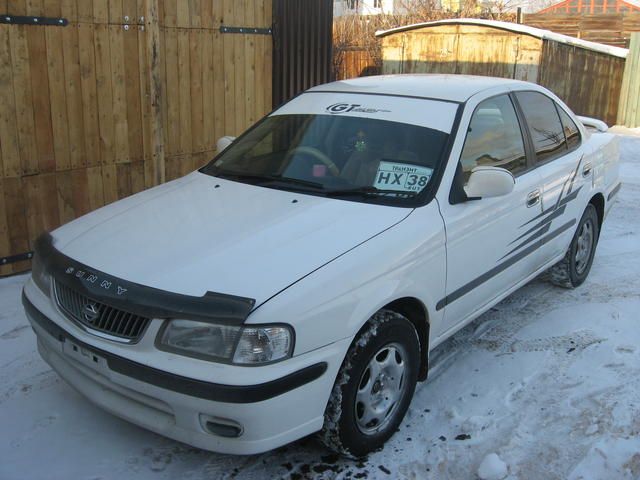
x=586, y=170
x=533, y=198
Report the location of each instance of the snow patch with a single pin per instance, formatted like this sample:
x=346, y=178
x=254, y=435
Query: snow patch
x=610, y=458
x=492, y=468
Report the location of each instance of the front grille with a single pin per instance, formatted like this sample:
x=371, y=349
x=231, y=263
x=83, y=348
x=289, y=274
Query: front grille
x=99, y=317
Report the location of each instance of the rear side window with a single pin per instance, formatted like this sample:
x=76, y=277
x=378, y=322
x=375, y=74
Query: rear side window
x=544, y=125
x=571, y=132
x=494, y=138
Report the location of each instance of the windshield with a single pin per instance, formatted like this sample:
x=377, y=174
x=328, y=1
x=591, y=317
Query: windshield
x=355, y=157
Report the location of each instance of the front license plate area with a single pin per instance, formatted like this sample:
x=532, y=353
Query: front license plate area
x=85, y=356
x=402, y=177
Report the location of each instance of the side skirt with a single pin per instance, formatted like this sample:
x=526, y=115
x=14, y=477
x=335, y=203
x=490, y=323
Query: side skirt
x=437, y=341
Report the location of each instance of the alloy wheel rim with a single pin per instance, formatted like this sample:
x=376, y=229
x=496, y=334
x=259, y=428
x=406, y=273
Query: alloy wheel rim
x=584, y=246
x=380, y=389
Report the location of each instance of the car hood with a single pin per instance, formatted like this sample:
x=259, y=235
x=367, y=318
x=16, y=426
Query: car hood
x=202, y=233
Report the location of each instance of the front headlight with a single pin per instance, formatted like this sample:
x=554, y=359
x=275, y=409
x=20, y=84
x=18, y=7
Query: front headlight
x=244, y=345
x=40, y=276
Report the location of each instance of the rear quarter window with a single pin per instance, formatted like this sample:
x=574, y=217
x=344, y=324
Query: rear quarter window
x=571, y=131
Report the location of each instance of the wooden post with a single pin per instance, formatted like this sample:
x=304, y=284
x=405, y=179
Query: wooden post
x=152, y=25
x=629, y=106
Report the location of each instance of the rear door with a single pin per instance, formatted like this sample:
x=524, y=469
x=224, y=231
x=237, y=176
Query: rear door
x=559, y=160
x=488, y=249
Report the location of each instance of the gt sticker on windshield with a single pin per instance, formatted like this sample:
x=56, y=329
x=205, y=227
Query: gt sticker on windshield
x=403, y=177
x=352, y=107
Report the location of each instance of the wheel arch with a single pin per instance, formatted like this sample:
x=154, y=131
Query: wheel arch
x=598, y=202
x=416, y=312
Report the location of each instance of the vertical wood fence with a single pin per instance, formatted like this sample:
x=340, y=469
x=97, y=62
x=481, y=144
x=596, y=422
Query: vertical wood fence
x=356, y=62
x=629, y=108
x=128, y=94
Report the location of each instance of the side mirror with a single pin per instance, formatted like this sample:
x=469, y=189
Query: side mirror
x=489, y=182
x=224, y=142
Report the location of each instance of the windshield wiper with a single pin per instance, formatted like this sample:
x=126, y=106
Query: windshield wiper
x=368, y=190
x=263, y=178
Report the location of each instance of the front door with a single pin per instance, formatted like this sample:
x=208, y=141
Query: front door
x=489, y=243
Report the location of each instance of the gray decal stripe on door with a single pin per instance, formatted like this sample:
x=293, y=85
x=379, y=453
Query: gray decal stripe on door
x=614, y=192
x=569, y=198
x=455, y=295
x=575, y=174
x=562, y=201
x=555, y=214
x=535, y=236
x=544, y=225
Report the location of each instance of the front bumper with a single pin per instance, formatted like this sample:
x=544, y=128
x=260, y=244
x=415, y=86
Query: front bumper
x=266, y=414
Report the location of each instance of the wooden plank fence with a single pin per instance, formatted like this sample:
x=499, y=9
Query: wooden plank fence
x=609, y=28
x=355, y=62
x=629, y=108
x=129, y=94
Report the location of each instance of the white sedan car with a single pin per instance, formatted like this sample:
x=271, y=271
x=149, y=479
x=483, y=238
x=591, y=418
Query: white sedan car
x=297, y=282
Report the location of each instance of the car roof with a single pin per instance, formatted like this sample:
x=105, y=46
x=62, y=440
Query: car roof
x=455, y=88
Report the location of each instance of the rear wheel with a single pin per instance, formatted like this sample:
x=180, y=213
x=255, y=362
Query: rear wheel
x=374, y=386
x=574, y=268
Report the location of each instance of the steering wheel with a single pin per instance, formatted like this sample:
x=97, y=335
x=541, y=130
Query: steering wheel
x=318, y=155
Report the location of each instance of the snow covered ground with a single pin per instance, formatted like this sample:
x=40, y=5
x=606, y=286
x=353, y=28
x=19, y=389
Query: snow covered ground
x=548, y=381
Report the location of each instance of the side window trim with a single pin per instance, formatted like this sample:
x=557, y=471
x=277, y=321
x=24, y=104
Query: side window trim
x=526, y=134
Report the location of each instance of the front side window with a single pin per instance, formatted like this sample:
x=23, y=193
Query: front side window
x=494, y=138
x=544, y=125
x=335, y=155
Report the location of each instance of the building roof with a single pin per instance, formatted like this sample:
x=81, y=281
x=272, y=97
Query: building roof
x=593, y=6
x=517, y=28
x=457, y=88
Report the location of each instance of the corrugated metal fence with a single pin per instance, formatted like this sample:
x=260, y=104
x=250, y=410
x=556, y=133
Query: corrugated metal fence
x=302, y=46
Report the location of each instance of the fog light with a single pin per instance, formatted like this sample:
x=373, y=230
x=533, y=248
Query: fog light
x=223, y=427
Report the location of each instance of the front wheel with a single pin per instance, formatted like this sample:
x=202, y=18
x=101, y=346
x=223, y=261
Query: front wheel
x=374, y=386
x=574, y=268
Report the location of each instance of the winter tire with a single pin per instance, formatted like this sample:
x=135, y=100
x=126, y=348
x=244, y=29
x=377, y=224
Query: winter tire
x=574, y=268
x=374, y=386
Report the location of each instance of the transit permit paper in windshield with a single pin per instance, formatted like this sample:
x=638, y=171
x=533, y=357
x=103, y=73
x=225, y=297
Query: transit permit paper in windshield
x=403, y=177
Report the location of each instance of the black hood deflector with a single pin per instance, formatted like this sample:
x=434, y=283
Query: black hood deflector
x=135, y=298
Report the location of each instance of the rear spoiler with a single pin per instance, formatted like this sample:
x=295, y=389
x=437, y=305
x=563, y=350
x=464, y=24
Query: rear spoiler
x=599, y=125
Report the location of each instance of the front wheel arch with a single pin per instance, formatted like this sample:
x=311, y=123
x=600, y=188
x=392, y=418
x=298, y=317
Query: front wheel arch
x=340, y=431
x=415, y=311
